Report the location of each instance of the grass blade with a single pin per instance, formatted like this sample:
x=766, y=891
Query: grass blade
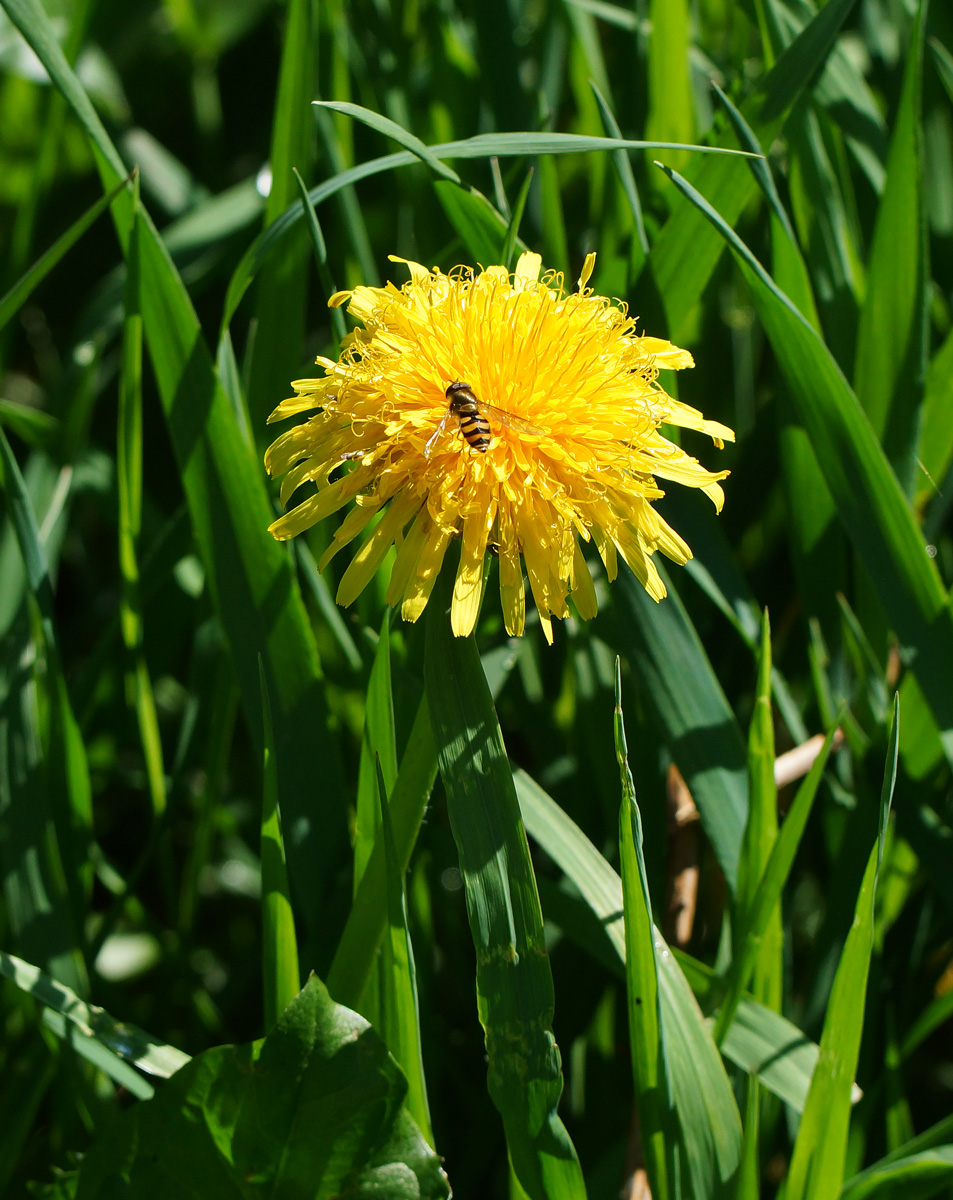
x=139, y=692
x=685, y=254
x=706, y=744
x=392, y=130
x=281, y=975
x=357, y=948
x=671, y=115
x=866, y=492
x=646, y=1036
x=817, y=1164
x=130, y=1043
x=68, y=787
x=514, y=981
x=891, y=340
x=281, y=302
x=761, y=834
x=17, y=296
x=708, y=1116
x=400, y=1027
x=256, y=596
x=767, y=898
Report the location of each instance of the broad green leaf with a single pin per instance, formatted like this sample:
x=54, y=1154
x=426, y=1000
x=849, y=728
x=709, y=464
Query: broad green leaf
x=250, y=577
x=817, y=1164
x=702, y=735
x=514, y=981
x=891, y=341
x=646, y=1025
x=869, y=500
x=314, y=1109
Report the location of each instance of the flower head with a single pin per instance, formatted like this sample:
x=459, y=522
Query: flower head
x=497, y=408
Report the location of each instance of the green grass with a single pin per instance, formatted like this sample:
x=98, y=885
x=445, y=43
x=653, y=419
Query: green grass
x=214, y=782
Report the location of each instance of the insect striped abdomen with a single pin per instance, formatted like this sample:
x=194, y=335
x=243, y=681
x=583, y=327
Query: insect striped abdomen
x=473, y=424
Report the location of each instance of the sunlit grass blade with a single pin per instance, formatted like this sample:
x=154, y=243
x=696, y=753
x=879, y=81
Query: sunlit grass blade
x=670, y=662
x=685, y=254
x=358, y=945
x=256, y=597
x=280, y=306
x=892, y=338
x=514, y=981
x=400, y=1026
x=766, y=899
x=671, y=110
x=99, y=1055
x=392, y=130
x=657, y=1130
x=916, y=1177
x=149, y=1054
x=21, y=291
x=281, y=975
x=869, y=500
x=817, y=1164
x=484, y=145
x=926, y=1159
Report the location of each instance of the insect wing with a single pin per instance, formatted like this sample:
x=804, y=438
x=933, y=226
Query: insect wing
x=436, y=435
x=508, y=420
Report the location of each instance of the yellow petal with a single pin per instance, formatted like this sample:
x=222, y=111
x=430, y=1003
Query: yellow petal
x=529, y=266
x=512, y=594
x=583, y=591
x=370, y=556
x=587, y=268
x=422, y=581
x=468, y=586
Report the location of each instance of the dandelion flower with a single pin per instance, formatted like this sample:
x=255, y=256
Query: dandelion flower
x=550, y=436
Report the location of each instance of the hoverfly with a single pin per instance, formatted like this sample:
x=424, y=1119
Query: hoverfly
x=472, y=415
